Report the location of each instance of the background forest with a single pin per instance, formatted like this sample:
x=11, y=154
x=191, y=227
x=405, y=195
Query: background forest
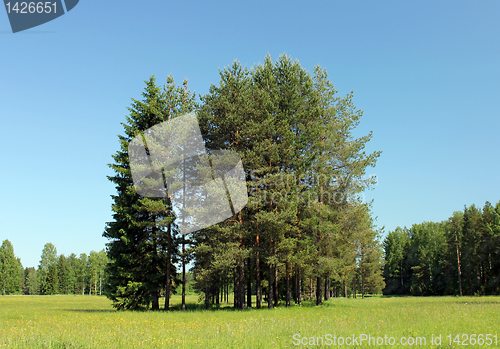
x=458, y=256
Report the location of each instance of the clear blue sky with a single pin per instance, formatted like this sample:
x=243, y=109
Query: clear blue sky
x=425, y=73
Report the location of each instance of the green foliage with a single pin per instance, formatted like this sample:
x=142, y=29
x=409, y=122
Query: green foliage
x=426, y=252
x=30, y=285
x=97, y=262
x=64, y=276
x=11, y=270
x=55, y=274
x=396, y=270
x=304, y=170
x=458, y=256
x=142, y=237
x=50, y=284
x=47, y=270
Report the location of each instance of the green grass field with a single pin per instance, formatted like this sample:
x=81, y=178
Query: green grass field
x=91, y=322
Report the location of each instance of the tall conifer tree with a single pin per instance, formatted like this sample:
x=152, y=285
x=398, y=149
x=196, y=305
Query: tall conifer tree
x=142, y=236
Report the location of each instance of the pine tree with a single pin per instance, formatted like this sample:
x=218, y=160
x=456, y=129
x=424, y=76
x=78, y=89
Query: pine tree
x=295, y=140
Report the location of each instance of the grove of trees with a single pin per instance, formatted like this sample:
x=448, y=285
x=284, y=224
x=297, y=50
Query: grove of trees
x=458, y=256
x=56, y=274
x=304, y=233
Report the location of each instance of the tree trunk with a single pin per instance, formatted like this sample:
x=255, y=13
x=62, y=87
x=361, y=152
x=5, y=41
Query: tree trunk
x=363, y=283
x=249, y=285
x=169, y=261
x=299, y=287
x=294, y=283
x=236, y=287
x=327, y=289
x=183, y=305
x=319, y=281
x=288, y=296
x=354, y=286
x=207, y=296
x=270, y=288
x=155, y=305
x=155, y=293
x=258, y=286
x=459, y=268
x=478, y=279
x=168, y=277
x=242, y=284
x=241, y=281
x=319, y=295
x=401, y=268
x=310, y=288
x=276, y=284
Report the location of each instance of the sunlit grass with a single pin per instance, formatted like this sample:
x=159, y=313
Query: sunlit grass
x=91, y=322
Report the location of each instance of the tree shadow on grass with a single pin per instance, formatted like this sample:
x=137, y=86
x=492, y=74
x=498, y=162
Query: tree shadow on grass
x=91, y=310
x=230, y=307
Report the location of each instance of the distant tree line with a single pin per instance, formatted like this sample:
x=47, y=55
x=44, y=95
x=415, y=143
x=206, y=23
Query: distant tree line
x=56, y=274
x=458, y=256
x=304, y=233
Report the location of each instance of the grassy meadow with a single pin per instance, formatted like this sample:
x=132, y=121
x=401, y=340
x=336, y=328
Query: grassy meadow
x=91, y=322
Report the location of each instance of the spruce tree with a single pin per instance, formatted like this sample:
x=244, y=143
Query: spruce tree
x=142, y=244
